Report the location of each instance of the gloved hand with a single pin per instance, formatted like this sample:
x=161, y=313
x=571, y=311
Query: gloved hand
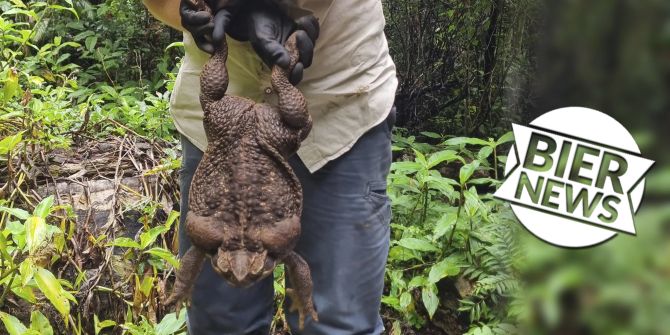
x=269, y=28
x=261, y=22
x=207, y=30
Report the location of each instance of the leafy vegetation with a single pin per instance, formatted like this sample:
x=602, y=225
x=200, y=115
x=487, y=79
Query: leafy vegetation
x=65, y=80
x=31, y=248
x=451, y=241
x=84, y=95
x=64, y=84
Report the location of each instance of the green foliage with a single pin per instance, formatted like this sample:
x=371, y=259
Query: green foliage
x=140, y=251
x=30, y=246
x=39, y=325
x=37, y=244
x=445, y=230
x=170, y=324
x=60, y=76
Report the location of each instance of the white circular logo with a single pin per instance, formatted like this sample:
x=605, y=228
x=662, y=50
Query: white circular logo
x=574, y=177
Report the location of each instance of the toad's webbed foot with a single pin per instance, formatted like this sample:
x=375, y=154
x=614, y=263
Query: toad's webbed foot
x=191, y=263
x=301, y=293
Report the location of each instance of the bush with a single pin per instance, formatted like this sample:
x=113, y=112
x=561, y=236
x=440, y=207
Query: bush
x=451, y=241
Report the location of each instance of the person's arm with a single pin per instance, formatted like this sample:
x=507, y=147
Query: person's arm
x=167, y=11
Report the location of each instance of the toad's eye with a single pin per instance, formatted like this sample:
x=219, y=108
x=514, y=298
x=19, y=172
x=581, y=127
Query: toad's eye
x=254, y=246
x=281, y=235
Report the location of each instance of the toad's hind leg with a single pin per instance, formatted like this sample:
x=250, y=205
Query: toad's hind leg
x=191, y=264
x=301, y=293
x=205, y=232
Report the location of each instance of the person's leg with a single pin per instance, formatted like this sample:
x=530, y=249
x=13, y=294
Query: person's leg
x=345, y=236
x=216, y=307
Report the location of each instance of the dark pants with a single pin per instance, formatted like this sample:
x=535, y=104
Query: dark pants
x=344, y=239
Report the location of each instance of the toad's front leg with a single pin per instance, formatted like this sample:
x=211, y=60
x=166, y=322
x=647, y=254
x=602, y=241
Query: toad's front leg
x=301, y=293
x=191, y=263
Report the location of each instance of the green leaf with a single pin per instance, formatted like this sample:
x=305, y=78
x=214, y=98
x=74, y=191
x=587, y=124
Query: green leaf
x=441, y=156
x=8, y=143
x=467, y=170
x=165, y=255
x=444, y=185
x=43, y=209
x=98, y=326
x=171, y=323
x=90, y=42
x=483, y=181
x=25, y=292
x=51, y=288
x=420, y=158
x=26, y=269
x=147, y=284
x=430, y=134
x=12, y=324
x=36, y=232
x=472, y=201
x=445, y=224
x=175, y=45
x=18, y=3
x=507, y=137
x=149, y=237
x=124, y=242
x=11, y=87
x=484, y=153
x=406, y=167
x=398, y=253
x=174, y=215
x=430, y=300
x=69, y=9
x=405, y=300
x=445, y=268
x=391, y=301
x=40, y=323
x=465, y=140
x=109, y=90
x=417, y=281
x=396, y=328
x=15, y=227
x=3, y=247
x=417, y=244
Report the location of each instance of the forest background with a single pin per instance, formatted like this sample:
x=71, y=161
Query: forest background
x=89, y=163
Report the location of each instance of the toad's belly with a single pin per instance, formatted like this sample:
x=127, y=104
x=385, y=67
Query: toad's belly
x=247, y=186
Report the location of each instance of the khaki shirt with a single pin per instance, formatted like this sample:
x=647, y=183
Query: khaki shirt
x=349, y=88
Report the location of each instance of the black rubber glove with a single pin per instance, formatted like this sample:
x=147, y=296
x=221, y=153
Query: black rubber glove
x=269, y=28
x=207, y=31
x=261, y=22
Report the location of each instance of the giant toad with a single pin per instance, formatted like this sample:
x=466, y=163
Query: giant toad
x=245, y=201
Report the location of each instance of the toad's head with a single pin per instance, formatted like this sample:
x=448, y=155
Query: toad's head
x=242, y=267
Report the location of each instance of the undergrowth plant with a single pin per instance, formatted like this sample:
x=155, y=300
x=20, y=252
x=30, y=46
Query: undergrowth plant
x=451, y=239
x=52, y=97
x=33, y=246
